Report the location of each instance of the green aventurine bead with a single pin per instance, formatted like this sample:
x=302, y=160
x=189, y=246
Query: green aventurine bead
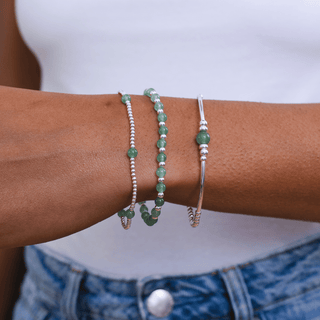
x=150, y=222
x=122, y=213
x=163, y=130
x=158, y=105
x=154, y=97
x=155, y=213
x=161, y=157
x=125, y=98
x=203, y=137
x=130, y=214
x=132, y=152
x=161, y=143
x=147, y=91
x=159, y=202
x=161, y=187
x=162, y=117
x=144, y=215
x=143, y=208
x=161, y=172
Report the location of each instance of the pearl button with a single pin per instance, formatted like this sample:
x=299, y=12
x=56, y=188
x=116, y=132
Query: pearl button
x=160, y=303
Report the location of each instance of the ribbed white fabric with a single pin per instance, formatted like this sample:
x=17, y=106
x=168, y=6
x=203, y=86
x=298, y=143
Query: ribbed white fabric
x=249, y=50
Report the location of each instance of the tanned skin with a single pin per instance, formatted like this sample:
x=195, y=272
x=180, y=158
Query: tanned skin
x=63, y=162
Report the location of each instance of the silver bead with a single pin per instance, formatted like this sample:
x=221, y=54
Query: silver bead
x=204, y=151
x=134, y=193
x=134, y=189
x=131, y=122
x=131, y=118
x=132, y=160
x=132, y=145
x=203, y=158
x=205, y=128
x=132, y=131
x=133, y=174
x=160, y=111
x=203, y=122
x=152, y=92
x=132, y=135
x=132, y=139
x=162, y=149
x=162, y=123
x=160, y=194
x=203, y=146
x=133, y=170
x=160, y=179
x=163, y=136
x=162, y=164
x=131, y=125
x=134, y=185
x=158, y=208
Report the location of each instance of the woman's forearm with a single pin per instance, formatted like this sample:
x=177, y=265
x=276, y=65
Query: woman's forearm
x=263, y=158
x=63, y=162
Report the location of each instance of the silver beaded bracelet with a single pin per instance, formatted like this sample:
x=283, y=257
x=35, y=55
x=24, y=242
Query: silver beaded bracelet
x=202, y=139
x=132, y=153
x=151, y=219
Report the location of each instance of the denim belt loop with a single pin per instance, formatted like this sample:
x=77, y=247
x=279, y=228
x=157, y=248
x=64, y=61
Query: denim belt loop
x=238, y=293
x=70, y=294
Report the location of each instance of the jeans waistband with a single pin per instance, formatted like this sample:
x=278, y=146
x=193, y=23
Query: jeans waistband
x=237, y=292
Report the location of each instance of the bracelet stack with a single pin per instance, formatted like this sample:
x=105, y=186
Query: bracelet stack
x=202, y=139
x=132, y=153
x=150, y=220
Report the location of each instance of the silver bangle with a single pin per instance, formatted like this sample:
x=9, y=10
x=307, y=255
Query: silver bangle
x=132, y=153
x=202, y=139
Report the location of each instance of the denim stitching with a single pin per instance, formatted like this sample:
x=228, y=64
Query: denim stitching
x=288, y=298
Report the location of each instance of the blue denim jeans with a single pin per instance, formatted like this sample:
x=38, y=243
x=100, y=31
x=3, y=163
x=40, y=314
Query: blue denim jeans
x=283, y=285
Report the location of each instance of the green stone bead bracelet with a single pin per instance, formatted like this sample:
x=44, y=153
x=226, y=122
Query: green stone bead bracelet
x=202, y=139
x=151, y=219
x=132, y=153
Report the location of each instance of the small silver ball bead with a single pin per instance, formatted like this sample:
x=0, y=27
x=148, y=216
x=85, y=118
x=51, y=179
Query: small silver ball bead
x=131, y=122
x=205, y=128
x=160, y=179
x=160, y=194
x=162, y=123
x=156, y=100
x=163, y=136
x=132, y=139
x=132, y=125
x=203, y=146
x=162, y=149
x=203, y=122
x=158, y=208
x=204, y=151
x=162, y=164
x=159, y=111
x=133, y=174
x=133, y=166
x=134, y=193
x=134, y=178
x=152, y=92
x=203, y=158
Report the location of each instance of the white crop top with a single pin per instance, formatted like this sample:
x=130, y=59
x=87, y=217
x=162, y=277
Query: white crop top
x=266, y=50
